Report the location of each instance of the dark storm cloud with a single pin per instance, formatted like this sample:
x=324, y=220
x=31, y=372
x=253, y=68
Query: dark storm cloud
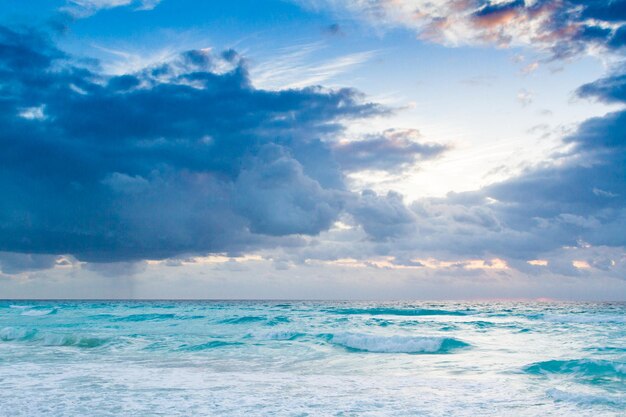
x=392, y=150
x=383, y=217
x=11, y=263
x=176, y=158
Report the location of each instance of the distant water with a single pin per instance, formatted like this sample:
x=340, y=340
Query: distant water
x=169, y=358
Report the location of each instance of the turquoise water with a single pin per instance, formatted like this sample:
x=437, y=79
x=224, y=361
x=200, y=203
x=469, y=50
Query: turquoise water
x=169, y=358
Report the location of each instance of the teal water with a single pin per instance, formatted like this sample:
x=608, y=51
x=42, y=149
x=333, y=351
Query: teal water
x=188, y=358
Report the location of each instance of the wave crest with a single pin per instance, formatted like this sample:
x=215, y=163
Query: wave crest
x=11, y=334
x=145, y=317
x=209, y=345
x=8, y=334
x=72, y=340
x=243, y=320
x=37, y=312
x=278, y=335
x=396, y=344
x=591, y=368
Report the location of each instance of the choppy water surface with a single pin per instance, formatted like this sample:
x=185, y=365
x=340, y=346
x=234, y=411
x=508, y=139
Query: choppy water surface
x=311, y=358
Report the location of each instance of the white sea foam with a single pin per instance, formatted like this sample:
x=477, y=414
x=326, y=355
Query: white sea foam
x=584, y=318
x=277, y=335
x=35, y=313
x=585, y=399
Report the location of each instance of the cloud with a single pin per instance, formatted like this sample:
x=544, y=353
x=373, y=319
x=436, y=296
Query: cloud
x=561, y=28
x=569, y=212
x=579, y=197
x=383, y=217
x=86, y=8
x=611, y=89
x=392, y=150
x=185, y=156
x=524, y=97
x=188, y=156
x=13, y=263
x=298, y=67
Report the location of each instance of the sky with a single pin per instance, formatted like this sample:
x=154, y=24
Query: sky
x=313, y=149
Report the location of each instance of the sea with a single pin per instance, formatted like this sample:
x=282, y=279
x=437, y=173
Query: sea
x=312, y=358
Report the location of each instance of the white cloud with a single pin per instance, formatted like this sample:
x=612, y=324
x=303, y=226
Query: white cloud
x=86, y=8
x=298, y=67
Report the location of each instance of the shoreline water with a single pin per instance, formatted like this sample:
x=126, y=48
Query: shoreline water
x=292, y=358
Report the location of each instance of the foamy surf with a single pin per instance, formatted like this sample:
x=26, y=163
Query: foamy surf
x=312, y=358
x=585, y=399
x=35, y=313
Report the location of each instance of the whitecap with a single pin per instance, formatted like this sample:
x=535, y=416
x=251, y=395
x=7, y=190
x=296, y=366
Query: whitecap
x=591, y=368
x=20, y=306
x=11, y=333
x=585, y=399
x=35, y=313
x=73, y=340
x=396, y=344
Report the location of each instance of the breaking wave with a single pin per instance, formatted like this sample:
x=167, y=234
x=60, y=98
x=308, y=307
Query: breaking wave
x=145, y=317
x=11, y=334
x=278, y=335
x=589, y=368
x=395, y=344
x=36, y=312
x=209, y=345
x=243, y=320
x=8, y=334
x=71, y=340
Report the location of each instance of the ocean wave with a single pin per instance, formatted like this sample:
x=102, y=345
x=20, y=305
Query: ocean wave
x=480, y=324
x=584, y=318
x=278, y=320
x=590, y=368
x=396, y=344
x=616, y=349
x=383, y=322
x=585, y=399
x=243, y=320
x=11, y=334
x=278, y=335
x=145, y=317
x=381, y=311
x=73, y=340
x=36, y=312
x=208, y=345
x=8, y=334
